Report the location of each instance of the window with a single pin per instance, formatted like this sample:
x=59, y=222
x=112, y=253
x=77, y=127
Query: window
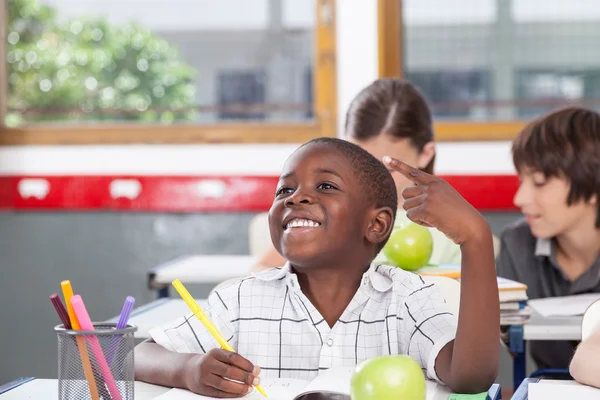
x=486, y=65
x=541, y=91
x=241, y=93
x=454, y=94
x=87, y=65
x=308, y=92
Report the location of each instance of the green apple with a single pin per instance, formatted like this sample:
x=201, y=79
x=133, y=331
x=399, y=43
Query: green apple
x=388, y=378
x=409, y=246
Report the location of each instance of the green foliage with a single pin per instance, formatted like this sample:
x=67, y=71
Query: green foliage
x=87, y=69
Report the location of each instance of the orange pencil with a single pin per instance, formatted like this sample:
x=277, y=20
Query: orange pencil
x=85, y=359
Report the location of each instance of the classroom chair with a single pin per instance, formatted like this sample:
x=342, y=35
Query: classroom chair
x=450, y=289
x=259, y=237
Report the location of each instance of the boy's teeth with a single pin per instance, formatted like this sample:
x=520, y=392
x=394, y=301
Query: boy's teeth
x=301, y=222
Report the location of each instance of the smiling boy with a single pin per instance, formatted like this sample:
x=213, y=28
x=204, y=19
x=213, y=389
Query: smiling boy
x=555, y=249
x=329, y=306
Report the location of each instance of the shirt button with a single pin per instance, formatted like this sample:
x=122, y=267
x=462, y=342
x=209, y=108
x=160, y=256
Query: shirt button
x=330, y=342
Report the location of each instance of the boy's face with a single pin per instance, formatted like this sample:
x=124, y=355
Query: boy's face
x=319, y=214
x=543, y=202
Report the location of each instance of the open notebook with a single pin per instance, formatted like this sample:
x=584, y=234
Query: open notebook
x=332, y=384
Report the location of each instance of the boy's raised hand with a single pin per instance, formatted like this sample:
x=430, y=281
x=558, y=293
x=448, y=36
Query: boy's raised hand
x=432, y=202
x=213, y=374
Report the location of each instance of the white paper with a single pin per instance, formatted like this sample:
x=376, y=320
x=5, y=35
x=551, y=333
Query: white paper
x=334, y=380
x=279, y=389
x=566, y=306
x=560, y=390
x=337, y=380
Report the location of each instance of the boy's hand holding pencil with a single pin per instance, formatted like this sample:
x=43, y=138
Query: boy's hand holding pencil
x=219, y=372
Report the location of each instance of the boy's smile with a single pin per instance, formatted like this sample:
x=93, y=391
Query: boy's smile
x=298, y=222
x=317, y=214
x=298, y=225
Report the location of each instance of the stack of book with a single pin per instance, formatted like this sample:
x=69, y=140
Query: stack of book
x=513, y=302
x=513, y=295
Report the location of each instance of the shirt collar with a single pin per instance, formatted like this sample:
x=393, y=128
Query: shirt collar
x=380, y=277
x=273, y=274
x=377, y=276
x=543, y=247
x=590, y=279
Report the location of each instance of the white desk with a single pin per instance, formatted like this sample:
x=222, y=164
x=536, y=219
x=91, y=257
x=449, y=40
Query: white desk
x=44, y=389
x=211, y=269
x=559, y=390
x=539, y=328
x=552, y=328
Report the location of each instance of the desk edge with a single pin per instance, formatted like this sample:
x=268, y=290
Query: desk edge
x=15, y=384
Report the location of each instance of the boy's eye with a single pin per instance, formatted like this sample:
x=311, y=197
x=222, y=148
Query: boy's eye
x=326, y=186
x=283, y=190
x=538, y=179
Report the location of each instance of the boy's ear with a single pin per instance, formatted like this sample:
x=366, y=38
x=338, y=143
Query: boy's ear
x=381, y=223
x=426, y=155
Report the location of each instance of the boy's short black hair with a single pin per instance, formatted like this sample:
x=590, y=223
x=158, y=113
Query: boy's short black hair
x=566, y=144
x=373, y=176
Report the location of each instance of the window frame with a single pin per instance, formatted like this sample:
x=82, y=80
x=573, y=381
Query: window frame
x=324, y=106
x=390, y=43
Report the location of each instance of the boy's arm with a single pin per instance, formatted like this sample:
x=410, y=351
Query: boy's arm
x=209, y=374
x=157, y=365
x=470, y=363
x=183, y=353
x=586, y=362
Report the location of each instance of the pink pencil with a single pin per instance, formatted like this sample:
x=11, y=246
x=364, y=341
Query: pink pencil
x=86, y=324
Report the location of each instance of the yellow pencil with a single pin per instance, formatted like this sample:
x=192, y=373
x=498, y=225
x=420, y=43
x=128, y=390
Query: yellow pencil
x=199, y=313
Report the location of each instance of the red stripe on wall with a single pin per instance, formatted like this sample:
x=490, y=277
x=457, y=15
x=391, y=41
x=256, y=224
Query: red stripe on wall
x=197, y=193
x=486, y=193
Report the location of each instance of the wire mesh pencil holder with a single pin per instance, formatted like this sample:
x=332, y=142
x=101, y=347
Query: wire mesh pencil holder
x=96, y=365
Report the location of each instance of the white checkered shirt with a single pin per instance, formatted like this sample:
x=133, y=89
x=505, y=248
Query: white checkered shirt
x=269, y=321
